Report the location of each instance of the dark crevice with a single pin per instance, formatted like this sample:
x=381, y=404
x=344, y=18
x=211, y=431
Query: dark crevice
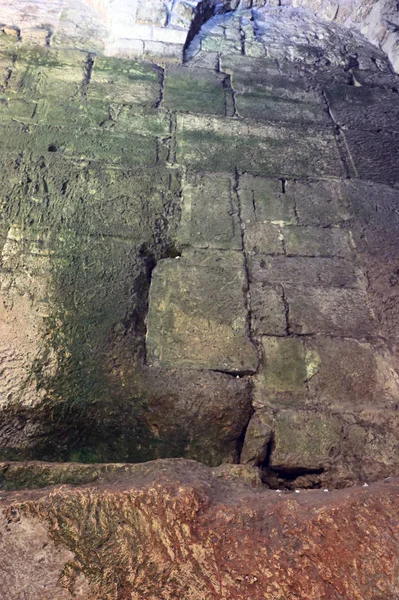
x=241, y=439
x=229, y=94
x=87, y=73
x=342, y=144
x=204, y=11
x=161, y=77
x=49, y=35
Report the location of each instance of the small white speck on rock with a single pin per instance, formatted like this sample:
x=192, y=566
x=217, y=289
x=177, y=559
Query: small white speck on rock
x=365, y=485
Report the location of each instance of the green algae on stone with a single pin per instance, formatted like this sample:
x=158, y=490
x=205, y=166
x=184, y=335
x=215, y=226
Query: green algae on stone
x=197, y=314
x=223, y=144
x=188, y=89
x=285, y=368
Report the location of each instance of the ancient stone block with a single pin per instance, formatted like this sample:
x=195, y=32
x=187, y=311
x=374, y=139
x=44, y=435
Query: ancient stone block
x=50, y=73
x=267, y=310
x=370, y=156
x=197, y=316
x=201, y=414
x=210, y=213
x=121, y=149
x=304, y=441
x=264, y=200
x=284, y=368
x=330, y=311
x=189, y=89
x=263, y=238
x=226, y=144
x=317, y=241
x=325, y=272
x=257, y=438
x=320, y=202
x=154, y=12
x=351, y=375
x=263, y=93
x=124, y=80
x=363, y=107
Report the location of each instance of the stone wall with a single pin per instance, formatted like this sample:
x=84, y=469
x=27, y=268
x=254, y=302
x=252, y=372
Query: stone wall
x=200, y=260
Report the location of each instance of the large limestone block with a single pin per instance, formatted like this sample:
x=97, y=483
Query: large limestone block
x=41, y=71
x=263, y=238
x=374, y=154
x=197, y=314
x=188, y=89
x=308, y=271
x=304, y=440
x=364, y=107
x=262, y=92
x=321, y=202
x=351, y=375
x=330, y=311
x=210, y=213
x=317, y=241
x=284, y=371
x=124, y=81
x=124, y=149
x=223, y=144
x=265, y=200
x=268, y=310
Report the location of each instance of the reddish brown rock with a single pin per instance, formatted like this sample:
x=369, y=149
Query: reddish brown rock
x=175, y=529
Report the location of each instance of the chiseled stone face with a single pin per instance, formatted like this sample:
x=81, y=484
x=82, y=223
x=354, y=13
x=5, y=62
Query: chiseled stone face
x=304, y=440
x=197, y=315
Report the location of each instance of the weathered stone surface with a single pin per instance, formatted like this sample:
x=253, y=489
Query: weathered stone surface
x=285, y=367
x=210, y=216
x=271, y=150
x=317, y=241
x=197, y=315
x=124, y=81
x=188, y=89
x=304, y=440
x=257, y=439
x=204, y=535
x=265, y=200
x=330, y=311
x=262, y=238
x=262, y=93
x=268, y=311
x=352, y=375
x=360, y=107
x=368, y=156
x=321, y=202
x=308, y=271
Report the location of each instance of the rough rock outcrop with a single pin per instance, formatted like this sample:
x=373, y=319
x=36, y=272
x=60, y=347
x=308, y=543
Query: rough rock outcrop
x=178, y=529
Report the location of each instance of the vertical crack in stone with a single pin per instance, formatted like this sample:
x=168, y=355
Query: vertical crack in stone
x=172, y=156
x=161, y=77
x=247, y=293
x=87, y=73
x=230, y=108
x=346, y=155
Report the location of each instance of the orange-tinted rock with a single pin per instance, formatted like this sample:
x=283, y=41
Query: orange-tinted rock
x=173, y=529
